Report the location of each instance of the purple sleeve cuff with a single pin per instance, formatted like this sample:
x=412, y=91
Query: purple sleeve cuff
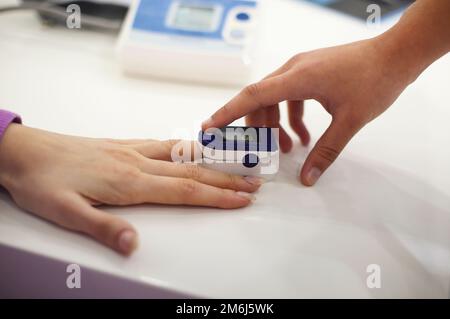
x=7, y=118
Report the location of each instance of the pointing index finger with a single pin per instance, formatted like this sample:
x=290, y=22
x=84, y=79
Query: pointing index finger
x=258, y=95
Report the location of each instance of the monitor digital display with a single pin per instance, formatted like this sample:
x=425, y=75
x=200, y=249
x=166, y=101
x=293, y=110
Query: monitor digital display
x=192, y=17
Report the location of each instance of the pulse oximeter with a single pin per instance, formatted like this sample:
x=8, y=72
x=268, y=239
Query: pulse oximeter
x=248, y=151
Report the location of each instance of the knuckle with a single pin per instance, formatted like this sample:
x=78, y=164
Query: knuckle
x=327, y=153
x=232, y=181
x=291, y=61
x=129, y=173
x=120, y=184
x=193, y=172
x=252, y=90
x=123, y=154
x=187, y=188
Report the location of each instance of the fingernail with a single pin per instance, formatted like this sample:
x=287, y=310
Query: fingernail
x=254, y=180
x=313, y=175
x=127, y=241
x=208, y=123
x=246, y=196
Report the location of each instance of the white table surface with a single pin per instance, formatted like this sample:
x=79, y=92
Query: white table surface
x=386, y=201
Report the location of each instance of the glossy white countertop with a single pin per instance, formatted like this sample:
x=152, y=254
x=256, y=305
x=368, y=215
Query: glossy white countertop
x=386, y=201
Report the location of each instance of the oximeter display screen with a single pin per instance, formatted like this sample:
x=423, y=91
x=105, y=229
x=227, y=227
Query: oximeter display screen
x=194, y=17
x=240, y=136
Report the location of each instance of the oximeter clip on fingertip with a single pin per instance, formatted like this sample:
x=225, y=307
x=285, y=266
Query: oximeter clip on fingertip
x=207, y=41
x=247, y=151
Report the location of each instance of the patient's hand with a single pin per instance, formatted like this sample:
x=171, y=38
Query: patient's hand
x=62, y=178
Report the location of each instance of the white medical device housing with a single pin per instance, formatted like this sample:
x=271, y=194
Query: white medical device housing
x=205, y=41
x=247, y=151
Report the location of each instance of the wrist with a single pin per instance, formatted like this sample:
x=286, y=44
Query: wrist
x=420, y=37
x=401, y=56
x=8, y=142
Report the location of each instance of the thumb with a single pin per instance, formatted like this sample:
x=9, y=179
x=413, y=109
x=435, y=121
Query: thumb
x=73, y=212
x=327, y=149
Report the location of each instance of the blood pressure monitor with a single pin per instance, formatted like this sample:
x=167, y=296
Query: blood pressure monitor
x=249, y=151
x=206, y=41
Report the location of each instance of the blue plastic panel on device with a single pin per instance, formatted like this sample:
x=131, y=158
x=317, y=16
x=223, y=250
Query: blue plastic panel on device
x=263, y=139
x=151, y=16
